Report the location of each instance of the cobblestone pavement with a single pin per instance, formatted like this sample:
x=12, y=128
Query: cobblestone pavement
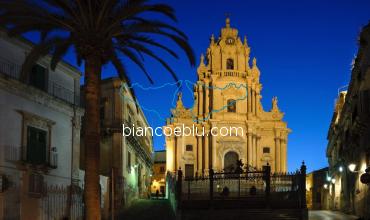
x=149, y=209
x=329, y=215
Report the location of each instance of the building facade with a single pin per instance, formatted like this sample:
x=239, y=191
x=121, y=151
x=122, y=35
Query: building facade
x=39, y=135
x=227, y=94
x=159, y=174
x=125, y=160
x=317, y=189
x=348, y=149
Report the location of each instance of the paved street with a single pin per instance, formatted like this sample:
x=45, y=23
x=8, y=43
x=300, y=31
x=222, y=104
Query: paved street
x=145, y=209
x=329, y=215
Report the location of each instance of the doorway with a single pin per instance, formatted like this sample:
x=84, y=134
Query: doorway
x=230, y=161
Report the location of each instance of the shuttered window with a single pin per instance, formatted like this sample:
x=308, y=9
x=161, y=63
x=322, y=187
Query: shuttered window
x=36, y=146
x=37, y=77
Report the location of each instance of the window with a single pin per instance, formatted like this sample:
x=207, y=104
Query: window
x=35, y=185
x=266, y=150
x=130, y=116
x=231, y=105
x=230, y=64
x=189, y=147
x=161, y=169
x=129, y=161
x=102, y=111
x=37, y=78
x=36, y=146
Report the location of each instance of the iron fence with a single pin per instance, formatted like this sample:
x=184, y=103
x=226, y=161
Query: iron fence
x=62, y=202
x=269, y=189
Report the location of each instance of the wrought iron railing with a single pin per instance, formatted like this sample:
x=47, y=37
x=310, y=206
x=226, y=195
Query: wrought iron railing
x=232, y=73
x=259, y=188
x=14, y=153
x=9, y=68
x=12, y=70
x=53, y=158
x=139, y=146
x=62, y=202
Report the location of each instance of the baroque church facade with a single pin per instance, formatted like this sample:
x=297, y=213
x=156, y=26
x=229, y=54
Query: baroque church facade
x=227, y=94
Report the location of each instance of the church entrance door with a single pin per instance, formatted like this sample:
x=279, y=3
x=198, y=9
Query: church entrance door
x=230, y=161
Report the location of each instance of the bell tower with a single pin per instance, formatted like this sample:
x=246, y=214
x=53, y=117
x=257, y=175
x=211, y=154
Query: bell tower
x=227, y=64
x=228, y=52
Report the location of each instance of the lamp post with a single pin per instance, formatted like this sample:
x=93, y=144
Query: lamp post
x=365, y=178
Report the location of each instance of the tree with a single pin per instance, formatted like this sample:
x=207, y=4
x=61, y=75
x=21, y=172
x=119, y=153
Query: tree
x=100, y=32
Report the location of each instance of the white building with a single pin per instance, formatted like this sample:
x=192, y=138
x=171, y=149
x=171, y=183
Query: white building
x=39, y=135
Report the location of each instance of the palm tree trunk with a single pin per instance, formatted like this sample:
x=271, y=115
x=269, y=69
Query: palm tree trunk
x=92, y=137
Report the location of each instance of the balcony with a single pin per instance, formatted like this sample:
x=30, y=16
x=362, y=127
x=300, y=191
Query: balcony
x=12, y=70
x=17, y=154
x=231, y=73
x=138, y=146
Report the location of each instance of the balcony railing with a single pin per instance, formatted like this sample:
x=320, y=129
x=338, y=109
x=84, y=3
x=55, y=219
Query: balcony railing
x=12, y=70
x=232, y=73
x=53, y=158
x=138, y=146
x=14, y=153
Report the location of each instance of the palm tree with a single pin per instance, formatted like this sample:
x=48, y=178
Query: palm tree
x=100, y=32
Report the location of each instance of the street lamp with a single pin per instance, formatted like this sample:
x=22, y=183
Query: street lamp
x=325, y=186
x=328, y=178
x=333, y=180
x=340, y=169
x=352, y=167
x=365, y=178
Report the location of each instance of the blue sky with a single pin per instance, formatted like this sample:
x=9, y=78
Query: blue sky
x=304, y=50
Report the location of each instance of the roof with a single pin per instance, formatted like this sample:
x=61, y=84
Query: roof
x=31, y=44
x=159, y=156
x=325, y=169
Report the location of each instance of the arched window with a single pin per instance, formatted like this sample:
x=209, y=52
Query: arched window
x=231, y=105
x=230, y=64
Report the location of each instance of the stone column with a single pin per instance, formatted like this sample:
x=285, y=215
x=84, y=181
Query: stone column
x=249, y=149
x=213, y=138
x=206, y=101
x=253, y=92
x=283, y=156
x=200, y=100
x=170, y=154
x=179, y=150
x=206, y=151
x=277, y=155
x=200, y=152
x=175, y=153
x=254, y=151
x=257, y=147
x=249, y=96
x=255, y=102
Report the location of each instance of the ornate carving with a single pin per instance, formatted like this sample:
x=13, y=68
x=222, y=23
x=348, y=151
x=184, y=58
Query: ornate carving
x=180, y=111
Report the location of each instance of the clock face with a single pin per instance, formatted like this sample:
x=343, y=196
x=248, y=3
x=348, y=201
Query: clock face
x=230, y=41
